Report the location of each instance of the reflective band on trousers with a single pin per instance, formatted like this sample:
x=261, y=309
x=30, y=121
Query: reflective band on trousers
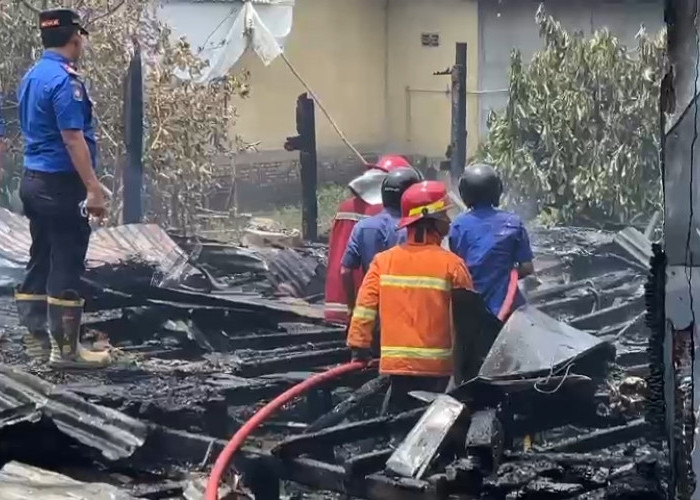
x=364, y=313
x=336, y=307
x=414, y=282
x=416, y=352
x=350, y=216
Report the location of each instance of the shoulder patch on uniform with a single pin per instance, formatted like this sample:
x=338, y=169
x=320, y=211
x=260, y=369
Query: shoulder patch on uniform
x=77, y=90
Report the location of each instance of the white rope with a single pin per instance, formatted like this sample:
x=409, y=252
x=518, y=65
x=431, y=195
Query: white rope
x=548, y=378
x=323, y=109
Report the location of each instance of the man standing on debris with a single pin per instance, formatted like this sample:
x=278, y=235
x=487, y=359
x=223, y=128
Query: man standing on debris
x=59, y=189
x=366, y=201
x=409, y=287
x=492, y=242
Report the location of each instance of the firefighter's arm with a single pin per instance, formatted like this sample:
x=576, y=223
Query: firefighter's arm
x=364, y=315
x=351, y=261
x=460, y=276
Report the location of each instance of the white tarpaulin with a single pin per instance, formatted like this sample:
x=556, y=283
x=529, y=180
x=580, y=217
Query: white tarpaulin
x=221, y=32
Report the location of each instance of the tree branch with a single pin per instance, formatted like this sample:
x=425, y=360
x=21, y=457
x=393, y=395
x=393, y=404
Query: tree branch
x=29, y=6
x=109, y=12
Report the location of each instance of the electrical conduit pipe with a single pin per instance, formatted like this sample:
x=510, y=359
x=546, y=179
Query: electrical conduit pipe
x=226, y=455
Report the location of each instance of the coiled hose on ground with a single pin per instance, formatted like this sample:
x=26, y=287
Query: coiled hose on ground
x=224, y=459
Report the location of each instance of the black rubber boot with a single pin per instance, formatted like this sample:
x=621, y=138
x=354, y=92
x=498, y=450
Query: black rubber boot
x=33, y=316
x=65, y=314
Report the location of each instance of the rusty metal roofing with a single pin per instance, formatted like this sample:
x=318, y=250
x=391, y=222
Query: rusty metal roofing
x=111, y=245
x=113, y=433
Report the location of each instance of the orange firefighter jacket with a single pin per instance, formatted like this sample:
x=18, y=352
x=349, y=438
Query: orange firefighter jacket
x=410, y=288
x=350, y=212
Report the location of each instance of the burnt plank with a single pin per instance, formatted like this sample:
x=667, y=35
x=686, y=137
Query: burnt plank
x=345, y=433
x=600, y=438
x=324, y=476
x=604, y=317
x=367, y=463
x=274, y=340
x=345, y=407
x=295, y=361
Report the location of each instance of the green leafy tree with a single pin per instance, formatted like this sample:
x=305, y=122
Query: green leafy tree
x=188, y=126
x=580, y=134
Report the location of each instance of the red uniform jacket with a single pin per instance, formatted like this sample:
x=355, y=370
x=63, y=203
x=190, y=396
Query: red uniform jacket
x=350, y=212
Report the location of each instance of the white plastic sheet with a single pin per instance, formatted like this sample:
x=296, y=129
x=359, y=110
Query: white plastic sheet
x=221, y=32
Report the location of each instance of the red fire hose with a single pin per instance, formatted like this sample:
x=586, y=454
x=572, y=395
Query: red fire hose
x=224, y=459
x=507, y=306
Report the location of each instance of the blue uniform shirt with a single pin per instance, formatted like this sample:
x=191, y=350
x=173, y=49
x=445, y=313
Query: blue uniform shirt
x=52, y=98
x=371, y=236
x=491, y=242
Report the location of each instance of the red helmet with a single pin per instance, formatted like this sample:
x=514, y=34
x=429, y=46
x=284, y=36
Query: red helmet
x=387, y=163
x=424, y=199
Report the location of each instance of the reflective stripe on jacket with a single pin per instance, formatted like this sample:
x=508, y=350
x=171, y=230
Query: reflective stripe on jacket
x=410, y=287
x=349, y=213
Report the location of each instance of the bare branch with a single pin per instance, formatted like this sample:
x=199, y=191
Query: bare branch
x=109, y=12
x=29, y=6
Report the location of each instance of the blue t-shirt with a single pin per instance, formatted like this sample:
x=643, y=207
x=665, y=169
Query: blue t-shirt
x=491, y=242
x=371, y=236
x=52, y=98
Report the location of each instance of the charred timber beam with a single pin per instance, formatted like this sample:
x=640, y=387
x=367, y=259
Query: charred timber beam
x=295, y=361
x=367, y=463
x=285, y=339
x=255, y=355
x=571, y=459
x=599, y=282
x=346, y=433
x=324, y=476
x=344, y=408
x=582, y=304
x=600, y=438
x=609, y=315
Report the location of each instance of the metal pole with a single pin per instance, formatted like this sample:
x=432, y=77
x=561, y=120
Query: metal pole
x=309, y=180
x=459, y=113
x=133, y=131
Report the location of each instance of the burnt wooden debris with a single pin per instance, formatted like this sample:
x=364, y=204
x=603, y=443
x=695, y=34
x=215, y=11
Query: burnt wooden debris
x=201, y=352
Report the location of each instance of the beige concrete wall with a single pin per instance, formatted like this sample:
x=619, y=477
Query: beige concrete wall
x=420, y=118
x=345, y=49
x=338, y=48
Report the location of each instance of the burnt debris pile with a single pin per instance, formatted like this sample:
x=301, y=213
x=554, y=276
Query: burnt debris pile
x=206, y=332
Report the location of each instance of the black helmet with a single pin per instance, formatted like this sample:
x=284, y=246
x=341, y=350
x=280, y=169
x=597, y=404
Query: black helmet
x=480, y=185
x=395, y=183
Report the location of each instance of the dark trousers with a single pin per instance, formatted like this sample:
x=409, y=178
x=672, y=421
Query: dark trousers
x=60, y=234
x=398, y=399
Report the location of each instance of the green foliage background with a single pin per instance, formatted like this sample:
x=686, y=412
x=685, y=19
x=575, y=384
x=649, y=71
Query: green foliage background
x=580, y=135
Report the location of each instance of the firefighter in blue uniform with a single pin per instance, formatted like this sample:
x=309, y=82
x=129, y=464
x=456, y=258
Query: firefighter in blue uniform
x=55, y=115
x=377, y=233
x=491, y=241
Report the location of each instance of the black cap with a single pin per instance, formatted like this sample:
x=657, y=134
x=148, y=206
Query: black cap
x=57, y=18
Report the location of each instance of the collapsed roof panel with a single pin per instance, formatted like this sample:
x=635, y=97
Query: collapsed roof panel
x=20, y=482
x=532, y=343
x=113, y=433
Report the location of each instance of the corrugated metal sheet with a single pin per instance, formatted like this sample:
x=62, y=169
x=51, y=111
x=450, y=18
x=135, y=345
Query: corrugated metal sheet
x=113, y=433
x=113, y=245
x=20, y=482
